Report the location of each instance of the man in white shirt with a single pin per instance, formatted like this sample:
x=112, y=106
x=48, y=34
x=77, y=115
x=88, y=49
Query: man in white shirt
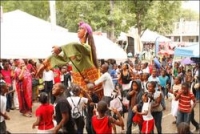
x=108, y=86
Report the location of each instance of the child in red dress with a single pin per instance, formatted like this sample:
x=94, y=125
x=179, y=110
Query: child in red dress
x=44, y=114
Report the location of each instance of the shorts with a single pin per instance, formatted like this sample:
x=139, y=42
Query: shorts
x=148, y=126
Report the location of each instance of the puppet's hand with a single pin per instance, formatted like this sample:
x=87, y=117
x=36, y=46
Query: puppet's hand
x=56, y=50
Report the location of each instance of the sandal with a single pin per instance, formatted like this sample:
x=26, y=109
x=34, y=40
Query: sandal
x=30, y=114
x=27, y=115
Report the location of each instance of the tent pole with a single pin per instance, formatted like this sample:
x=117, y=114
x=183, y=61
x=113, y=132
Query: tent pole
x=172, y=72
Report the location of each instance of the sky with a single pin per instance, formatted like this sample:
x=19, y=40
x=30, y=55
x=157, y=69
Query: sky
x=193, y=5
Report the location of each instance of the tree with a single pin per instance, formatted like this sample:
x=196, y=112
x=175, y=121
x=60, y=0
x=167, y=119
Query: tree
x=109, y=16
x=164, y=14
x=188, y=15
x=140, y=9
x=31, y=7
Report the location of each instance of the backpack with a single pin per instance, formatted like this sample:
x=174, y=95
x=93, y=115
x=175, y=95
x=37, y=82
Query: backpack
x=75, y=112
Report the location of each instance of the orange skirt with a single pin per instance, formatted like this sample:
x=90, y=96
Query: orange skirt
x=91, y=74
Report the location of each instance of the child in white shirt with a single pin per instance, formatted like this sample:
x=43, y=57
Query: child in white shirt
x=148, y=120
x=3, y=115
x=116, y=103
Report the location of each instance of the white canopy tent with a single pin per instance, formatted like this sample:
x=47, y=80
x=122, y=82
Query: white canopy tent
x=150, y=36
x=26, y=36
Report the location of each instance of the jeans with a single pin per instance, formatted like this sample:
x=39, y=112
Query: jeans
x=9, y=99
x=48, y=89
x=182, y=117
x=129, y=121
x=107, y=99
x=193, y=121
x=165, y=92
x=198, y=94
x=158, y=120
x=80, y=123
x=163, y=101
x=89, y=113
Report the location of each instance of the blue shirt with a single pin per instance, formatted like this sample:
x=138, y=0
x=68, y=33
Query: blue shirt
x=163, y=81
x=113, y=74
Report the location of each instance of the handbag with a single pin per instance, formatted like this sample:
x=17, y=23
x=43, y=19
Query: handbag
x=137, y=118
x=35, y=82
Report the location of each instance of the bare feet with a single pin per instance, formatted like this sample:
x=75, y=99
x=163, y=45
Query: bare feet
x=27, y=114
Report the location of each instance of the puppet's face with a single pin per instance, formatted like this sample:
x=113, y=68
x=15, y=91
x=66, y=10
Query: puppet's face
x=81, y=32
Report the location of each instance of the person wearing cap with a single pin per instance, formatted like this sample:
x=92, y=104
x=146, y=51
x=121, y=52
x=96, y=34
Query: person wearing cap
x=81, y=54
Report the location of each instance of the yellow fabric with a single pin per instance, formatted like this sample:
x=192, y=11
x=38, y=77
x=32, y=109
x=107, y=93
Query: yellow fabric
x=41, y=84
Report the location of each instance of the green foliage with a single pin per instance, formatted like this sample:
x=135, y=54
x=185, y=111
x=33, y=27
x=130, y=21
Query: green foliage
x=35, y=8
x=188, y=15
x=163, y=15
x=154, y=15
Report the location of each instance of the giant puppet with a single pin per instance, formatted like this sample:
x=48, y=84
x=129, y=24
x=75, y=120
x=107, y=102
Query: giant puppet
x=82, y=56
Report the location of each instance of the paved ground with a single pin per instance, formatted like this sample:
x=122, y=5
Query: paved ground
x=21, y=124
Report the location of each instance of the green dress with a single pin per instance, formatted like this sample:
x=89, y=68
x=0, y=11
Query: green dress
x=81, y=65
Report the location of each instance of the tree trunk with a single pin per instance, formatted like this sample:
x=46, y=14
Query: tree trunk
x=138, y=21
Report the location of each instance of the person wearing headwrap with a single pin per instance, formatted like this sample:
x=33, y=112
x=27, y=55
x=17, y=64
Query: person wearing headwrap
x=24, y=88
x=82, y=56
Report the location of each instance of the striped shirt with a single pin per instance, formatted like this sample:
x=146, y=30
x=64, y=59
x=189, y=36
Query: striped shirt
x=185, y=102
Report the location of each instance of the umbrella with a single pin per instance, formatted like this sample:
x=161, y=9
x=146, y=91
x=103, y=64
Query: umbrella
x=187, y=61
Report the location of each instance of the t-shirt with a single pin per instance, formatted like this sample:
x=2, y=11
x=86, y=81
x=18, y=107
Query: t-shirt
x=147, y=107
x=63, y=106
x=2, y=106
x=175, y=88
x=155, y=79
x=144, y=85
x=6, y=76
x=76, y=100
x=48, y=75
x=45, y=112
x=159, y=108
x=116, y=103
x=146, y=70
x=108, y=86
x=101, y=126
x=163, y=80
x=184, y=104
x=56, y=76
